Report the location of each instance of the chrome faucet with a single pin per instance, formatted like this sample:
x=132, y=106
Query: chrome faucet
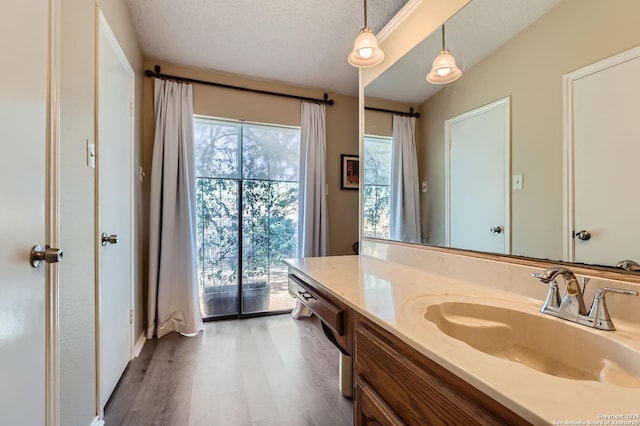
x=629, y=265
x=572, y=303
x=571, y=307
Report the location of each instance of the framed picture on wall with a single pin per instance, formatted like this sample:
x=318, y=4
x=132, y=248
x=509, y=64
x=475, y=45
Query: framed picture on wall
x=350, y=170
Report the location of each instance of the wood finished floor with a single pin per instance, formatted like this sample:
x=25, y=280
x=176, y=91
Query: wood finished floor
x=268, y=371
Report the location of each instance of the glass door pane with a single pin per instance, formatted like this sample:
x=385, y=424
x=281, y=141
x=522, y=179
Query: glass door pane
x=255, y=166
x=376, y=195
x=270, y=167
x=270, y=234
x=217, y=242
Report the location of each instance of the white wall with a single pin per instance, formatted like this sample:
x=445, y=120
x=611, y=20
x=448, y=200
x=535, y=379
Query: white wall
x=77, y=355
x=76, y=302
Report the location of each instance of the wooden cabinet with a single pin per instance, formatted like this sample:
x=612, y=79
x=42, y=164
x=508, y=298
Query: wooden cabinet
x=372, y=410
x=397, y=385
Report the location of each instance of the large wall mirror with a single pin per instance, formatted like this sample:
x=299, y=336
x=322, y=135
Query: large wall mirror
x=494, y=139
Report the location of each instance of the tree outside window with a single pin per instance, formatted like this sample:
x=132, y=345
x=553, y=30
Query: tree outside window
x=249, y=171
x=377, y=174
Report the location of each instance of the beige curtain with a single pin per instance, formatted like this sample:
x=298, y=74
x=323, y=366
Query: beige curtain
x=173, y=300
x=313, y=226
x=405, y=199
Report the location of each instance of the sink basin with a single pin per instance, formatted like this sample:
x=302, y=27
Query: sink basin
x=546, y=344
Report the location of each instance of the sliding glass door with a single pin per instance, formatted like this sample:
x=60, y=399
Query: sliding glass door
x=247, y=214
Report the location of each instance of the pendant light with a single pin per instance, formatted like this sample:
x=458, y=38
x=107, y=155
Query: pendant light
x=366, y=52
x=444, y=69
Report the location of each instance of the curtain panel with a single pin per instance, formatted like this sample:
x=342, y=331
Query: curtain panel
x=404, y=195
x=312, y=215
x=313, y=224
x=173, y=300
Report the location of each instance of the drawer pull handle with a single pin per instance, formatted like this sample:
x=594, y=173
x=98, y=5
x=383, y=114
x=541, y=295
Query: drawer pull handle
x=305, y=295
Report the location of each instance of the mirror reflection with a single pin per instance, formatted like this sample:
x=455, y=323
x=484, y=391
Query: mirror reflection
x=489, y=170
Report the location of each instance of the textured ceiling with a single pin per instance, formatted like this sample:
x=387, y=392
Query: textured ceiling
x=471, y=34
x=299, y=42
x=306, y=42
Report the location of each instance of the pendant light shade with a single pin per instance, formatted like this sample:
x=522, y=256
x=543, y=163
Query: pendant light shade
x=444, y=69
x=366, y=52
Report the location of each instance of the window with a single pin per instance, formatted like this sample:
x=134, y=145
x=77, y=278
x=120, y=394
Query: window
x=247, y=215
x=377, y=176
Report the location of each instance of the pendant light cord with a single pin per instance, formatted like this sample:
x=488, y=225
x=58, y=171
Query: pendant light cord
x=443, y=38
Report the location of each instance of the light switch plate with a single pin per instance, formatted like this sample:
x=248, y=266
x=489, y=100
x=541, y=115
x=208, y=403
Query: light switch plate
x=91, y=154
x=516, y=182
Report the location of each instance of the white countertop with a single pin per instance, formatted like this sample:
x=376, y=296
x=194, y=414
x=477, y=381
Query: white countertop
x=396, y=296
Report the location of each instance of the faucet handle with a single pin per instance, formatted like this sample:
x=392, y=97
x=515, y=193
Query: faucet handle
x=602, y=291
x=546, y=276
x=539, y=276
x=549, y=274
x=553, y=296
x=599, y=312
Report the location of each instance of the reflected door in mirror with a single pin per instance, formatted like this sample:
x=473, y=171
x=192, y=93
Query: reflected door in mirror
x=477, y=196
x=606, y=148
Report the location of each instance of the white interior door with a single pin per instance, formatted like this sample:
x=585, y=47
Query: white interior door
x=23, y=136
x=477, y=179
x=115, y=121
x=606, y=149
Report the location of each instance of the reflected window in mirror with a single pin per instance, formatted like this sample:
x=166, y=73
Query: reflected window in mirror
x=376, y=193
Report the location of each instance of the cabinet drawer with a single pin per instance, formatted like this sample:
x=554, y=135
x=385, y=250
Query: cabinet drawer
x=330, y=313
x=416, y=388
x=372, y=409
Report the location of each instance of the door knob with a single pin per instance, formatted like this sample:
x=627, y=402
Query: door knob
x=496, y=230
x=48, y=255
x=110, y=239
x=583, y=235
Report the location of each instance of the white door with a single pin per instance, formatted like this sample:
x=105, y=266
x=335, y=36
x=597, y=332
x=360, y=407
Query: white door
x=115, y=121
x=23, y=140
x=477, y=179
x=606, y=162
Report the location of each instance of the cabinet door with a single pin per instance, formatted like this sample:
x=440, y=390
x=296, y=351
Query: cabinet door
x=416, y=387
x=370, y=408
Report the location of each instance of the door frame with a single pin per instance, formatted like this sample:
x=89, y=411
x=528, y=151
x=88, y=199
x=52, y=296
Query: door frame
x=52, y=220
x=101, y=24
x=506, y=103
x=568, y=198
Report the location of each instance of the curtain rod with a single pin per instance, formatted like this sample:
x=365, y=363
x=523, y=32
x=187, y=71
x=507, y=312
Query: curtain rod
x=406, y=114
x=156, y=73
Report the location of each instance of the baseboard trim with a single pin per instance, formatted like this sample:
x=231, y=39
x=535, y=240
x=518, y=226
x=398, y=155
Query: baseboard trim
x=97, y=422
x=139, y=344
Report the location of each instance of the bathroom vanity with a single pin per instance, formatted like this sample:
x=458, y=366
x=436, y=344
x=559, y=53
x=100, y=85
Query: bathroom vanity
x=396, y=384
x=408, y=316
x=451, y=330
